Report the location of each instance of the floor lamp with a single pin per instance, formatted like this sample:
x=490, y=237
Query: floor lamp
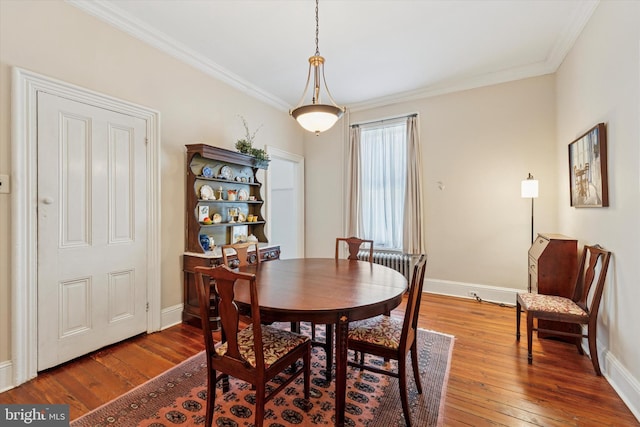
x=529, y=189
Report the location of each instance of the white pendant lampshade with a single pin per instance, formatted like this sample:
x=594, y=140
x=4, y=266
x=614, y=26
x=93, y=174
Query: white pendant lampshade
x=316, y=116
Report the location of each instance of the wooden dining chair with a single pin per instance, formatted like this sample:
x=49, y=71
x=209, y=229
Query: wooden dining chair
x=581, y=309
x=255, y=354
x=390, y=338
x=242, y=252
x=354, y=244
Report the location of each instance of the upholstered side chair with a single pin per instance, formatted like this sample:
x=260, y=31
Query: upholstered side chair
x=255, y=354
x=582, y=309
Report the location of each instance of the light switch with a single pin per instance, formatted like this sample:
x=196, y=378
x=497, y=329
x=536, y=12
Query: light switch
x=4, y=184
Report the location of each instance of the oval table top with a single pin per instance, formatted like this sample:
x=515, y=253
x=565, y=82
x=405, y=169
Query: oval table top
x=316, y=289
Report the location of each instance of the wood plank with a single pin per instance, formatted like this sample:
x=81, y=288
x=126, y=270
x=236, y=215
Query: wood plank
x=490, y=382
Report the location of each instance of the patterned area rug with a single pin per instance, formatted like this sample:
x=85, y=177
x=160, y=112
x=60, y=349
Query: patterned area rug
x=178, y=396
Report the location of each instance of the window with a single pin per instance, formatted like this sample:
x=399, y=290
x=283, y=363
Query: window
x=382, y=180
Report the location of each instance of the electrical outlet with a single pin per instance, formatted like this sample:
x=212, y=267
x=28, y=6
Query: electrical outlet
x=4, y=184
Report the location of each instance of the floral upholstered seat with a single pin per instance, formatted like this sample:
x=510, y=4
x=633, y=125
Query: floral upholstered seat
x=380, y=330
x=276, y=343
x=551, y=303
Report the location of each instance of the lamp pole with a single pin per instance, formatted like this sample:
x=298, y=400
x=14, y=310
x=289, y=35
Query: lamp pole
x=532, y=220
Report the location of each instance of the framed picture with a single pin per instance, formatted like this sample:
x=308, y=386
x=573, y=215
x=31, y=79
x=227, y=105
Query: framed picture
x=203, y=212
x=239, y=233
x=588, y=169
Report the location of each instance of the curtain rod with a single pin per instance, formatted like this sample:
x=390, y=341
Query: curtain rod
x=406, y=116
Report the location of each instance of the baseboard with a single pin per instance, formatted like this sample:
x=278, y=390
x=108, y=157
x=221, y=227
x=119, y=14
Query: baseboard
x=625, y=385
x=171, y=316
x=495, y=294
x=6, y=376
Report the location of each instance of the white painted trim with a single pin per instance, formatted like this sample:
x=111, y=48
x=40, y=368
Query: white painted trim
x=24, y=280
x=627, y=387
x=171, y=316
x=276, y=153
x=495, y=294
x=6, y=375
x=114, y=16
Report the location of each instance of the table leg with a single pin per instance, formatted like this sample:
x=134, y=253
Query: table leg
x=342, y=329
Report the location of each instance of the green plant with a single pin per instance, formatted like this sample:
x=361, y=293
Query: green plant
x=243, y=146
x=259, y=154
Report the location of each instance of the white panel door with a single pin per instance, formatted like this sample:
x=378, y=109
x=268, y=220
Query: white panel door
x=91, y=228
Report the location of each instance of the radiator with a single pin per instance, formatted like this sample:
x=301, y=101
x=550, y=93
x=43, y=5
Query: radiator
x=400, y=262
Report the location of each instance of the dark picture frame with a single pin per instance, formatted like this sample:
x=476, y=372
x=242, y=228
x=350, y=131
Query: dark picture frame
x=588, y=184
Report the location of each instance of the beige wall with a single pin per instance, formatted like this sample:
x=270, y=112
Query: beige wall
x=60, y=41
x=480, y=144
x=599, y=81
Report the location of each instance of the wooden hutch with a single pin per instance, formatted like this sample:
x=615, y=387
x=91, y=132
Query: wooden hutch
x=223, y=186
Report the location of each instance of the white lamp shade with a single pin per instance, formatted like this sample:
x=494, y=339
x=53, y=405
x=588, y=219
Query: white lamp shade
x=529, y=188
x=317, y=122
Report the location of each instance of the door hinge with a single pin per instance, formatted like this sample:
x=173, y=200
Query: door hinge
x=147, y=306
x=146, y=141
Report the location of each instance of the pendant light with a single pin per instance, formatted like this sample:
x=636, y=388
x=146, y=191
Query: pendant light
x=316, y=116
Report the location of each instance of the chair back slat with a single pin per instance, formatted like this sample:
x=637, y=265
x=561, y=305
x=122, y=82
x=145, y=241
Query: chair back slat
x=593, y=257
x=242, y=252
x=226, y=282
x=354, y=244
x=412, y=309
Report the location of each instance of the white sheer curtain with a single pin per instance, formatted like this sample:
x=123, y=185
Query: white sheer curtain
x=380, y=156
x=385, y=188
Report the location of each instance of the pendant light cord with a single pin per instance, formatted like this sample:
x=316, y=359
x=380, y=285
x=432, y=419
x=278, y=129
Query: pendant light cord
x=317, y=25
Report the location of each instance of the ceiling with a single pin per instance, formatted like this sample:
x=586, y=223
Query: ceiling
x=377, y=51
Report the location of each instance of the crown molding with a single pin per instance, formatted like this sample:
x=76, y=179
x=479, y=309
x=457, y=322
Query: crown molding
x=550, y=65
x=106, y=12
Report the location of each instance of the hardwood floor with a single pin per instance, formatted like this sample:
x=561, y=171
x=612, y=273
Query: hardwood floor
x=490, y=382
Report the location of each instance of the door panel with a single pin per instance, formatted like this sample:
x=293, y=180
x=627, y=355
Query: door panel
x=91, y=228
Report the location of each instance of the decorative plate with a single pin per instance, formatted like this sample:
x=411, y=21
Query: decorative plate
x=207, y=172
x=241, y=217
x=243, y=195
x=206, y=193
x=217, y=218
x=226, y=172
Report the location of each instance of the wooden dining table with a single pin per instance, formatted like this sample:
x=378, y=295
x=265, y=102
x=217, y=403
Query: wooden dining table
x=325, y=291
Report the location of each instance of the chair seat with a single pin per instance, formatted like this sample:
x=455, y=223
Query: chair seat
x=381, y=330
x=551, y=304
x=276, y=343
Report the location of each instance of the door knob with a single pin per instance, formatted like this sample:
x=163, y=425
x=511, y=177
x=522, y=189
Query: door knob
x=47, y=200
